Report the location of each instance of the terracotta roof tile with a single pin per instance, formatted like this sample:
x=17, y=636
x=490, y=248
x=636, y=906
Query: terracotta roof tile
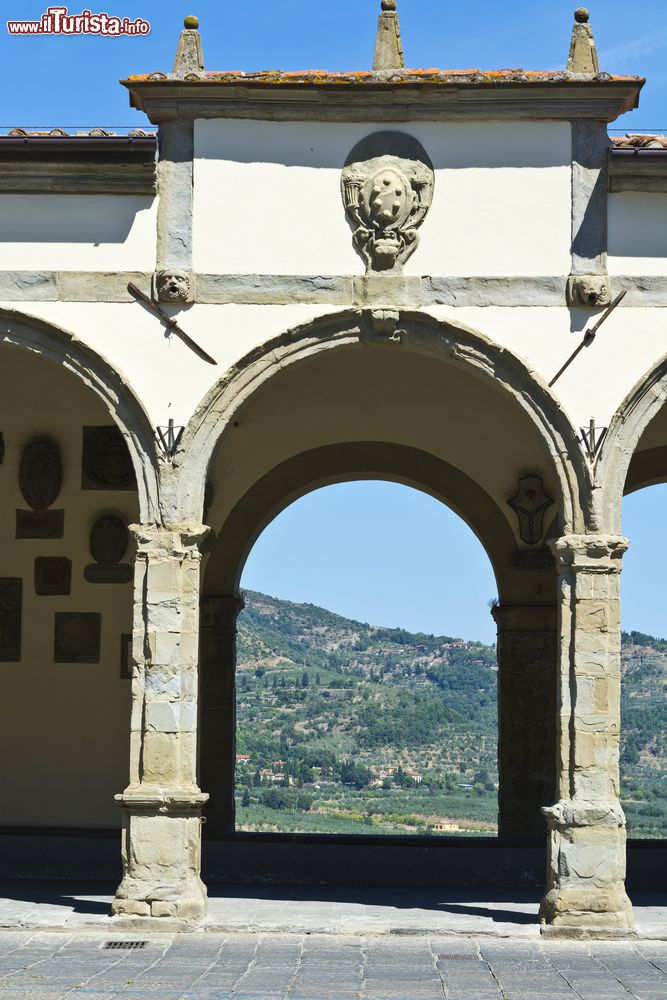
x=393, y=77
x=640, y=142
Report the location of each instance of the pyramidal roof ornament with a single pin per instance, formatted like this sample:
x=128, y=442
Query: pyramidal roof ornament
x=583, y=53
x=189, y=55
x=388, y=47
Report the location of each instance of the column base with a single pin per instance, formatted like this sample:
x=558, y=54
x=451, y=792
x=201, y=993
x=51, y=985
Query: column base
x=162, y=856
x=586, y=872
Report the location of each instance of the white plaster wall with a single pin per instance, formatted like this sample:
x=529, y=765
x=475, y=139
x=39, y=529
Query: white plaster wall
x=629, y=344
x=165, y=374
x=267, y=198
x=638, y=233
x=171, y=380
x=77, y=232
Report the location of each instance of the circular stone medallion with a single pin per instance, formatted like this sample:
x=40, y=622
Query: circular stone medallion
x=108, y=540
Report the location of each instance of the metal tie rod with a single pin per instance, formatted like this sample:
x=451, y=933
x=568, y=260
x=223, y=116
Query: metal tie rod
x=170, y=323
x=590, y=335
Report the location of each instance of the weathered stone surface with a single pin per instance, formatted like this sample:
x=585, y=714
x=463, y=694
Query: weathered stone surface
x=162, y=804
x=587, y=838
x=387, y=189
x=218, y=709
x=388, y=45
x=583, y=56
x=527, y=697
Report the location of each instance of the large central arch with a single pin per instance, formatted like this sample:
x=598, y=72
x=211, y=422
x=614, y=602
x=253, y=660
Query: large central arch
x=417, y=401
x=453, y=345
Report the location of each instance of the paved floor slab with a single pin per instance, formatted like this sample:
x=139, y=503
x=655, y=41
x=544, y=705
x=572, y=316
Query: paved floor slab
x=313, y=910
x=237, y=966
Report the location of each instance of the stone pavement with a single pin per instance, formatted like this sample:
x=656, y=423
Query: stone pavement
x=236, y=966
x=315, y=910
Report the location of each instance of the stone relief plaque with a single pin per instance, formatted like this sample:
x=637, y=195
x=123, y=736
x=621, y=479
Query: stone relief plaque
x=108, y=544
x=77, y=637
x=387, y=188
x=40, y=524
x=531, y=559
x=53, y=576
x=530, y=505
x=106, y=462
x=41, y=473
x=126, y=657
x=11, y=595
x=40, y=481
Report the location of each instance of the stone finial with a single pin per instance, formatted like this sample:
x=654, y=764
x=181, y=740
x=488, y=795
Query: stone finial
x=189, y=55
x=583, y=53
x=388, y=47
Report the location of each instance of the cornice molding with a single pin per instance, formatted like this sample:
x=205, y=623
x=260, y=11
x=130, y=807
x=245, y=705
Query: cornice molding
x=383, y=101
x=638, y=171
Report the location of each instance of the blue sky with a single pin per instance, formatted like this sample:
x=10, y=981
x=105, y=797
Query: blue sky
x=377, y=552
x=72, y=80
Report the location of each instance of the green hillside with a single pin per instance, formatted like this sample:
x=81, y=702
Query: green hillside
x=344, y=727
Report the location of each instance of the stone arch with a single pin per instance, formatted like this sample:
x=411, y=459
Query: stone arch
x=417, y=333
x=66, y=350
x=620, y=469
x=270, y=462
x=331, y=464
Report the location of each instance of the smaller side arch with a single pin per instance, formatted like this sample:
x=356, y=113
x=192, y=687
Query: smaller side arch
x=67, y=351
x=612, y=474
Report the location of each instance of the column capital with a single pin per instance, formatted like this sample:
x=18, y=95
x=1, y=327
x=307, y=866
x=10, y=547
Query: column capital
x=169, y=541
x=574, y=813
x=595, y=553
x=525, y=617
x=221, y=612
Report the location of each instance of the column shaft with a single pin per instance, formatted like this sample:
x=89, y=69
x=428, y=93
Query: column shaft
x=218, y=710
x=586, y=870
x=527, y=700
x=162, y=804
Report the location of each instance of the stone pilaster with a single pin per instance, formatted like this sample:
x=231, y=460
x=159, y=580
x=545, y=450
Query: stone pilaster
x=527, y=700
x=162, y=804
x=587, y=837
x=218, y=710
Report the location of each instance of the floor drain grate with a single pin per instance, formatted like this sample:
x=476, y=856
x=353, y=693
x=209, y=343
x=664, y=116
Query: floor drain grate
x=458, y=958
x=125, y=945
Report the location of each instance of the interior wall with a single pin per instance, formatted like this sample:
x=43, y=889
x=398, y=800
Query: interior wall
x=64, y=727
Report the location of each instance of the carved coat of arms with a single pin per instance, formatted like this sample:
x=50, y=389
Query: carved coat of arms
x=387, y=188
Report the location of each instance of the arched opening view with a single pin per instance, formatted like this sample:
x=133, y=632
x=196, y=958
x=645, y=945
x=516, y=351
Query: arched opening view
x=644, y=665
x=346, y=727
x=67, y=492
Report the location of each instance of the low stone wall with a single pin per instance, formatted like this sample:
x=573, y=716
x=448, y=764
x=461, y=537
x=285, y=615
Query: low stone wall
x=301, y=860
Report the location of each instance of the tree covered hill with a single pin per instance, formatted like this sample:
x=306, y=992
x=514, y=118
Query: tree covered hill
x=338, y=708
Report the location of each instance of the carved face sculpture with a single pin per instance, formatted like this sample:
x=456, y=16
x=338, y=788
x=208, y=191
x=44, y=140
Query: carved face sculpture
x=173, y=286
x=589, y=291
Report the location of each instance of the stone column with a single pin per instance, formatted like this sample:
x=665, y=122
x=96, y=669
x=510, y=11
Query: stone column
x=218, y=710
x=527, y=700
x=587, y=837
x=162, y=804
